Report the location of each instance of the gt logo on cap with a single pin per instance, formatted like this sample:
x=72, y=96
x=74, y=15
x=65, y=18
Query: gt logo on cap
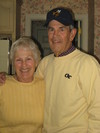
x=56, y=13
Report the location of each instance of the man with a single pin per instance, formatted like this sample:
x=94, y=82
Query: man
x=72, y=78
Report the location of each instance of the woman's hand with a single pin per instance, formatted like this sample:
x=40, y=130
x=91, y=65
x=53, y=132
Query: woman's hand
x=2, y=78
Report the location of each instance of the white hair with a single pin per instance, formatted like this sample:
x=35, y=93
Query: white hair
x=27, y=43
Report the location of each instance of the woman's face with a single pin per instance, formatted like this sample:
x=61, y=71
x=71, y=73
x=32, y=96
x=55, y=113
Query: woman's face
x=24, y=64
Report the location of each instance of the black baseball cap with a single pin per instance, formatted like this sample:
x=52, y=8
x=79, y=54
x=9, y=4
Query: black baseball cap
x=61, y=15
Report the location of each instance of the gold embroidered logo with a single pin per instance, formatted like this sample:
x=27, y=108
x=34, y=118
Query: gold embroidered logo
x=56, y=13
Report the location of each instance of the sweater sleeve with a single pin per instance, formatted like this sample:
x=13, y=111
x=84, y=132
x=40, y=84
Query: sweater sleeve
x=94, y=107
x=91, y=91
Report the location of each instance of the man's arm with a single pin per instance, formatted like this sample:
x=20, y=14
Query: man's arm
x=91, y=92
x=94, y=107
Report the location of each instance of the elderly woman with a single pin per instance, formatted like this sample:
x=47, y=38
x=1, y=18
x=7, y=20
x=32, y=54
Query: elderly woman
x=22, y=96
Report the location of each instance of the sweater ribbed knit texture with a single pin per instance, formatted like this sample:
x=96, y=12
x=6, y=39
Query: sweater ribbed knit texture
x=21, y=106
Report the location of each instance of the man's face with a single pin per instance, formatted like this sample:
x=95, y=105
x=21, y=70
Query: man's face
x=60, y=37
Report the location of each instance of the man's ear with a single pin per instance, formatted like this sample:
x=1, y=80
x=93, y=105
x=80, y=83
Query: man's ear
x=72, y=34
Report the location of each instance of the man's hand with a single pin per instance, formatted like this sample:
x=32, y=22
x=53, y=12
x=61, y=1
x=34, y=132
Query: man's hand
x=2, y=78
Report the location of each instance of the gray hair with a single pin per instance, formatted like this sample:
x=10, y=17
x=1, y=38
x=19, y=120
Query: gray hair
x=71, y=27
x=27, y=43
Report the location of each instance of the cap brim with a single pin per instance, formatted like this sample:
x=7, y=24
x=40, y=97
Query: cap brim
x=61, y=20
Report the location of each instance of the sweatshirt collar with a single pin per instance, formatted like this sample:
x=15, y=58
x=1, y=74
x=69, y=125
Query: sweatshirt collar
x=68, y=51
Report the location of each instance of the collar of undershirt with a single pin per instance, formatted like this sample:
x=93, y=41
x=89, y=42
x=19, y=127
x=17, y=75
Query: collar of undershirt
x=68, y=51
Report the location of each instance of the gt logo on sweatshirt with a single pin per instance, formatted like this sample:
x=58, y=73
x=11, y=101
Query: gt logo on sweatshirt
x=67, y=75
